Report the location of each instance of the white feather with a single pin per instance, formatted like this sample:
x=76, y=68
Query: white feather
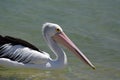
x=25, y=53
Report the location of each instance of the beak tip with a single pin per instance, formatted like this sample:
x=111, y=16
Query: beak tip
x=94, y=68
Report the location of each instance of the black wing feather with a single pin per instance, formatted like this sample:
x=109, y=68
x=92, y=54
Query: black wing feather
x=16, y=41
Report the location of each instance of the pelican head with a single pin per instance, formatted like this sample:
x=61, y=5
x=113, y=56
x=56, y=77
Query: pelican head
x=55, y=32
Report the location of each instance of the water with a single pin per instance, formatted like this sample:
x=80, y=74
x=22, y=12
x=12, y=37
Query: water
x=94, y=25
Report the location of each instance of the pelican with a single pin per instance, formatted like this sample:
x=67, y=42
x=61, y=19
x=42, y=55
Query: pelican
x=15, y=52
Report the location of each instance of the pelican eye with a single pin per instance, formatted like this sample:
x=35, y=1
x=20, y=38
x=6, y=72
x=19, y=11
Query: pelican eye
x=57, y=30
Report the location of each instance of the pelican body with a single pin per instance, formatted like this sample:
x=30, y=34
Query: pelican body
x=16, y=52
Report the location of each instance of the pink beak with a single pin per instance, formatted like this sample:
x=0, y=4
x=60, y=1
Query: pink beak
x=65, y=41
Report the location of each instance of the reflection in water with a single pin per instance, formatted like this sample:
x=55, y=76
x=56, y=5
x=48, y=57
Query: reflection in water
x=42, y=75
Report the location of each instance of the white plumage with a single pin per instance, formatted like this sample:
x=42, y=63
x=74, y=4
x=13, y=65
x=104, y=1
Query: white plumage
x=23, y=54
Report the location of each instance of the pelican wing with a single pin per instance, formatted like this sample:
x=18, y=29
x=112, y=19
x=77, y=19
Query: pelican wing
x=21, y=54
x=17, y=41
x=19, y=50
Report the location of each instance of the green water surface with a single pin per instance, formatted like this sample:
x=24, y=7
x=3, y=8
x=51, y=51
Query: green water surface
x=93, y=25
